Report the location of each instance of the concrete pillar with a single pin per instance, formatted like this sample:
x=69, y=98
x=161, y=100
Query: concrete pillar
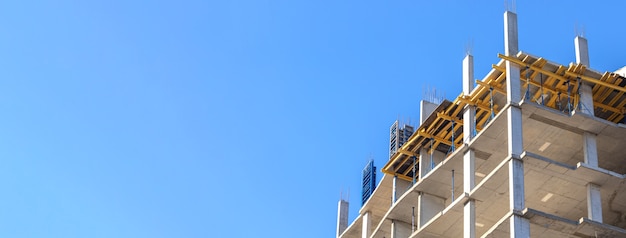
x=520, y=226
x=469, y=116
x=400, y=229
x=516, y=185
x=586, y=102
x=426, y=108
x=514, y=127
x=590, y=149
x=469, y=219
x=469, y=209
x=469, y=170
x=394, y=193
x=394, y=228
x=582, y=50
x=429, y=206
x=586, y=94
x=510, y=33
x=586, y=99
x=469, y=165
x=594, y=203
x=342, y=216
x=510, y=49
x=367, y=223
x=424, y=163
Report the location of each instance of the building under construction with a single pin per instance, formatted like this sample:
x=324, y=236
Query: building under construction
x=534, y=149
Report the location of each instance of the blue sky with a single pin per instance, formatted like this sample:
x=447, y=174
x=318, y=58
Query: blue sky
x=234, y=118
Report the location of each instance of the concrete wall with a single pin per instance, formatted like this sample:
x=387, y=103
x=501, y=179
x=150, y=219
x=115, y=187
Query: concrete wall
x=429, y=206
x=425, y=161
x=400, y=229
x=401, y=187
x=426, y=108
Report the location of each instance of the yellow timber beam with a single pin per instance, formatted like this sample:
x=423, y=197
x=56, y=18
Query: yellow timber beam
x=592, y=80
x=545, y=87
x=449, y=118
x=596, y=102
x=607, y=107
x=482, y=106
x=410, y=169
x=407, y=152
x=392, y=173
x=434, y=137
x=617, y=117
x=597, y=87
x=521, y=63
x=563, y=77
x=615, y=99
x=488, y=85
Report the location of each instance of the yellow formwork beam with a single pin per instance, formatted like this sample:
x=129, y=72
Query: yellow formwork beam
x=482, y=106
x=597, y=87
x=567, y=75
x=408, y=152
x=449, y=118
x=496, y=88
x=616, y=117
x=411, y=168
x=401, y=176
x=606, y=107
x=434, y=137
x=614, y=99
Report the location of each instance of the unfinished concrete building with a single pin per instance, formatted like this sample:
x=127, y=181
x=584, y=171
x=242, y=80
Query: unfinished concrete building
x=534, y=149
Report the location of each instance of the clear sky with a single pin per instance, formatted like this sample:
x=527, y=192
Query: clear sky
x=234, y=118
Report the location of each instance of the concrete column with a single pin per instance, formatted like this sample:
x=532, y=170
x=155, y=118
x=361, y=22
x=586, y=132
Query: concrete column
x=342, y=216
x=514, y=127
x=594, y=203
x=469, y=209
x=469, y=123
x=582, y=50
x=510, y=33
x=510, y=49
x=516, y=185
x=424, y=163
x=429, y=206
x=469, y=170
x=590, y=149
x=469, y=219
x=586, y=99
x=520, y=226
x=469, y=116
x=469, y=165
x=367, y=223
x=426, y=108
x=394, y=193
x=468, y=74
x=586, y=94
x=400, y=229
